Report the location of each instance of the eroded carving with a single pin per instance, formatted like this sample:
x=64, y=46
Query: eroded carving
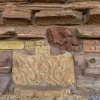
x=43, y=68
x=11, y=44
x=29, y=45
x=29, y=94
x=61, y=38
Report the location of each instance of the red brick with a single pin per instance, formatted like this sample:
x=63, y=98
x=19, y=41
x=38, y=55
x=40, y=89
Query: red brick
x=5, y=70
x=64, y=17
x=88, y=31
x=7, y=32
x=17, y=14
x=1, y=19
x=4, y=82
x=4, y=59
x=54, y=1
x=93, y=16
x=92, y=71
x=91, y=45
x=33, y=32
x=80, y=60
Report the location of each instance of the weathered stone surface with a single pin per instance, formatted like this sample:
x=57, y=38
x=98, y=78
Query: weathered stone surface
x=4, y=82
x=61, y=38
x=11, y=44
x=93, y=61
x=43, y=68
x=93, y=16
x=29, y=45
x=80, y=61
x=3, y=1
x=92, y=71
x=64, y=17
x=54, y=1
x=5, y=70
x=7, y=32
x=4, y=59
x=88, y=31
x=32, y=32
x=91, y=46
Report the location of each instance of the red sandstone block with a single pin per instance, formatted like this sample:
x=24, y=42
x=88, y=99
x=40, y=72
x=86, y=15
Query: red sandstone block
x=91, y=45
x=33, y=32
x=4, y=82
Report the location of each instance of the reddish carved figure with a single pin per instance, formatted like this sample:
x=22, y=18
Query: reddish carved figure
x=62, y=38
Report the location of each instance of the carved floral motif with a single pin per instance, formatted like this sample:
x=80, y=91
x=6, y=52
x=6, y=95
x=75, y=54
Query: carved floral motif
x=43, y=68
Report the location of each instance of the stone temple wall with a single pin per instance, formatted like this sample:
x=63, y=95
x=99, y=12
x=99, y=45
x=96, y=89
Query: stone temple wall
x=49, y=50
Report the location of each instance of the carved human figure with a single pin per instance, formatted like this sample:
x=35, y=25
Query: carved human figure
x=62, y=38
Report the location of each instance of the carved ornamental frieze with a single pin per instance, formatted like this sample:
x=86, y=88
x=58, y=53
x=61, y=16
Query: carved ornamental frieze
x=43, y=68
x=62, y=38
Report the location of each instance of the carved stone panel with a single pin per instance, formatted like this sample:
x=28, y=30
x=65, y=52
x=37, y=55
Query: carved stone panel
x=11, y=44
x=43, y=68
x=61, y=38
x=91, y=45
x=29, y=45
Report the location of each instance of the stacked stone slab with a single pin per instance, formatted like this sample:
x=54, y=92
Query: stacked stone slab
x=49, y=49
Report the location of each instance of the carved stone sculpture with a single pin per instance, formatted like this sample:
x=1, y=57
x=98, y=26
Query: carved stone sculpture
x=61, y=38
x=43, y=68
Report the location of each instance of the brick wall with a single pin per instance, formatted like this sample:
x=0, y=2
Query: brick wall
x=49, y=49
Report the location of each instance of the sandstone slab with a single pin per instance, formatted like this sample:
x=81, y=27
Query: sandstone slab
x=91, y=46
x=7, y=32
x=61, y=38
x=4, y=82
x=43, y=68
x=32, y=32
x=64, y=17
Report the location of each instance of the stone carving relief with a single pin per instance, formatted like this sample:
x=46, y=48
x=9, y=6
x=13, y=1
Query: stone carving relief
x=43, y=68
x=61, y=38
